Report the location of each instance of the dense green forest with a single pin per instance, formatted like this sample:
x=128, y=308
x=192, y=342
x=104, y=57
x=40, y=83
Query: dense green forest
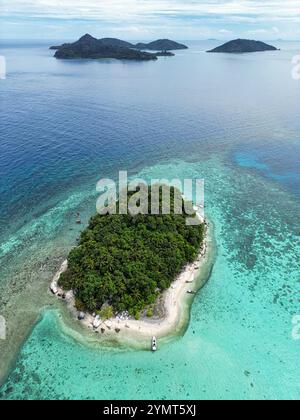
x=126, y=261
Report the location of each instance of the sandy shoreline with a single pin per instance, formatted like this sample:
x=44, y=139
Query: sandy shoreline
x=174, y=299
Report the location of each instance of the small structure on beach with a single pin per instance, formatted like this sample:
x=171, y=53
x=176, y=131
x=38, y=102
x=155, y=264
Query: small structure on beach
x=81, y=316
x=97, y=322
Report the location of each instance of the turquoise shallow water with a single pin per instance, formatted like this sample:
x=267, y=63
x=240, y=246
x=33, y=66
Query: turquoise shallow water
x=238, y=343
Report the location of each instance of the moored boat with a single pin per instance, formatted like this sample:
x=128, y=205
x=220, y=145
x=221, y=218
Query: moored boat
x=154, y=344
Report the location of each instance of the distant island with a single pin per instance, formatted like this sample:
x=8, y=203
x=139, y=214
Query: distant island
x=162, y=45
x=124, y=266
x=89, y=47
x=240, y=46
x=165, y=54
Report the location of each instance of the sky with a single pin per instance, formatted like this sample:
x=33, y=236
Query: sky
x=150, y=19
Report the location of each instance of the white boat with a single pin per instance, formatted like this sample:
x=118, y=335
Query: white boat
x=154, y=344
x=54, y=289
x=191, y=292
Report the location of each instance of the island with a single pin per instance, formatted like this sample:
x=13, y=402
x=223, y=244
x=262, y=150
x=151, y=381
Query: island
x=133, y=274
x=240, y=46
x=109, y=42
x=88, y=47
x=165, y=54
x=115, y=42
x=57, y=47
x=161, y=45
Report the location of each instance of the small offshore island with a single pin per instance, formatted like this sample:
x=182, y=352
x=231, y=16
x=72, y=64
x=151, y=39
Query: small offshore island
x=88, y=47
x=132, y=275
x=240, y=46
x=161, y=45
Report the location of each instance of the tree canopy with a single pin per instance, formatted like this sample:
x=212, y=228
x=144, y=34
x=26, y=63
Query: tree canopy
x=126, y=261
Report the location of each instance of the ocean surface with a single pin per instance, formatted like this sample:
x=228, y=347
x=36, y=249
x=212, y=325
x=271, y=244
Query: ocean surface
x=232, y=120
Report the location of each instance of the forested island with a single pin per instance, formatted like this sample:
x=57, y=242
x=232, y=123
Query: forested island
x=88, y=47
x=124, y=262
x=239, y=46
x=161, y=45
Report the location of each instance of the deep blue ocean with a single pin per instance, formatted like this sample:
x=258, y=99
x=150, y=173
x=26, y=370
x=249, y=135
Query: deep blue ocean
x=230, y=119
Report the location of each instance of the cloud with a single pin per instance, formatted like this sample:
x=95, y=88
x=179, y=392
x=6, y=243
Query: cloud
x=225, y=31
x=123, y=9
x=174, y=16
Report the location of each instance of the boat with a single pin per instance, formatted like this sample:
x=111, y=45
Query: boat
x=191, y=292
x=154, y=344
x=78, y=220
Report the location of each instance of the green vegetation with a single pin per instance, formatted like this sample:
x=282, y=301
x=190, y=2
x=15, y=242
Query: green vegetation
x=150, y=313
x=124, y=262
x=106, y=312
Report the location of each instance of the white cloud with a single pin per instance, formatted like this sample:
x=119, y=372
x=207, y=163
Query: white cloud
x=182, y=17
x=122, y=9
x=225, y=31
